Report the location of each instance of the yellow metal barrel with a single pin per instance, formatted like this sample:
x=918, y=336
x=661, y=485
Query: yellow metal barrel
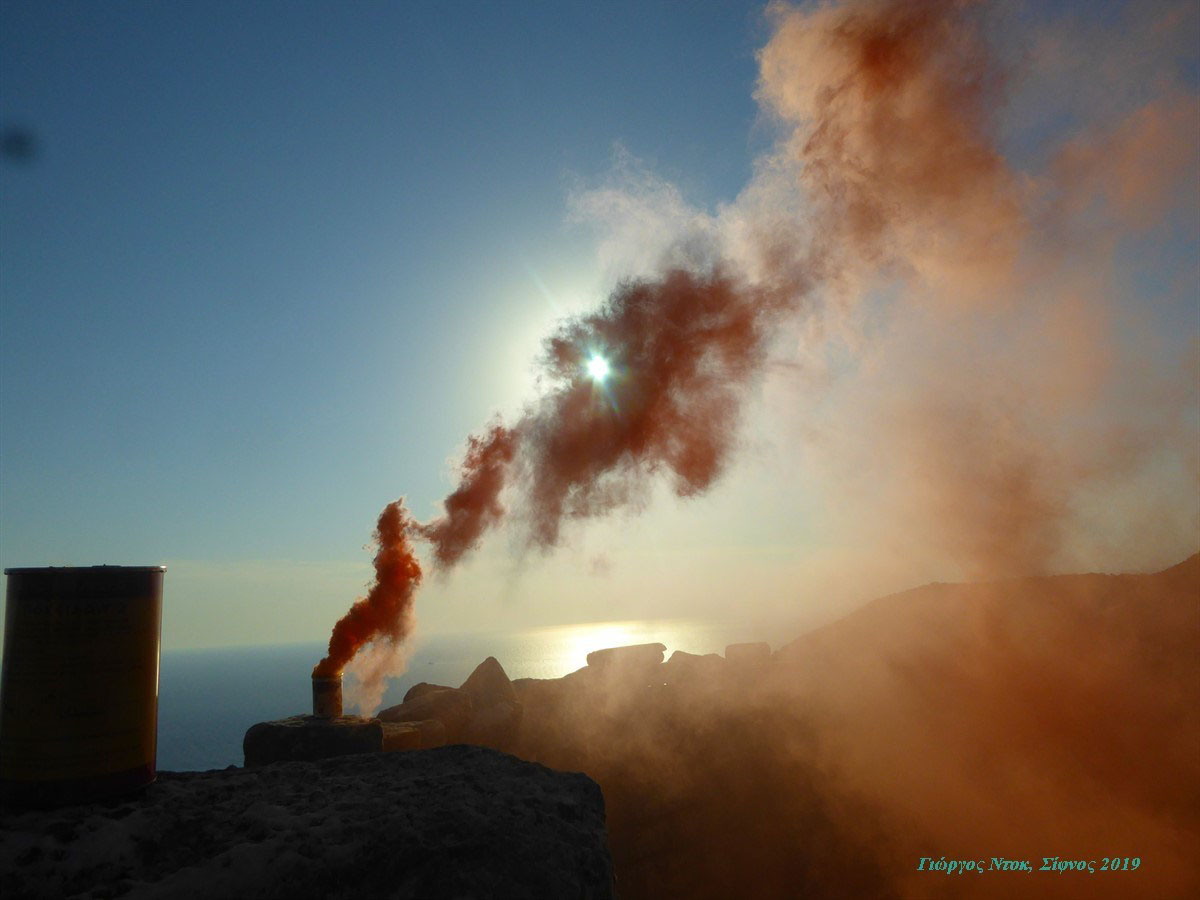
x=79, y=689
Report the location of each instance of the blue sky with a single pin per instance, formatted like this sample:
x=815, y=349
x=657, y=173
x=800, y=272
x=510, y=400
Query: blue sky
x=265, y=270
x=260, y=275
x=272, y=262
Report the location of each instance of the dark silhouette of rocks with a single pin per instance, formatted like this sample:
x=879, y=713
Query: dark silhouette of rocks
x=489, y=684
x=423, y=687
x=1027, y=713
x=485, y=712
x=753, y=654
x=452, y=707
x=1045, y=711
x=447, y=823
x=634, y=655
x=423, y=734
x=711, y=784
x=310, y=738
x=688, y=668
x=495, y=726
x=497, y=712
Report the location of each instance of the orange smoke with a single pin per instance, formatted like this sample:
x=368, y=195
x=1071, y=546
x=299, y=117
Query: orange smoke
x=386, y=612
x=996, y=395
x=1001, y=387
x=889, y=104
x=475, y=505
x=682, y=351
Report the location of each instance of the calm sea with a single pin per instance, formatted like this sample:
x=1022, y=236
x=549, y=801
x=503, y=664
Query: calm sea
x=208, y=698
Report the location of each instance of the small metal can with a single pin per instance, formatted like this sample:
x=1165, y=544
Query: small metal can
x=327, y=697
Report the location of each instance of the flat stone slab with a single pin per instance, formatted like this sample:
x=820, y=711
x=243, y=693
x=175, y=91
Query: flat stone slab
x=633, y=655
x=421, y=735
x=310, y=738
x=401, y=736
x=452, y=822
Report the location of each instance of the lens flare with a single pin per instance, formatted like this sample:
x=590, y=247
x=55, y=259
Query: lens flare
x=597, y=368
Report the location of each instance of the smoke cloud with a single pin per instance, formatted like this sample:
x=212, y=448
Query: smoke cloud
x=385, y=615
x=475, y=504
x=998, y=399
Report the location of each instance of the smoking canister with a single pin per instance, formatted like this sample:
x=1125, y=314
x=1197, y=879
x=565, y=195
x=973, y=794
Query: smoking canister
x=327, y=696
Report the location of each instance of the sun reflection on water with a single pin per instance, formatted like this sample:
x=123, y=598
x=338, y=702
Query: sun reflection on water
x=569, y=645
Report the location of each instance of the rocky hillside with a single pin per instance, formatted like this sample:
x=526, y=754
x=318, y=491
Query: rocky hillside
x=1029, y=718
x=453, y=822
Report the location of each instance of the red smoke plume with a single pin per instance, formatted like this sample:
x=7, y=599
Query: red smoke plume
x=889, y=104
x=475, y=505
x=681, y=351
x=888, y=109
x=386, y=611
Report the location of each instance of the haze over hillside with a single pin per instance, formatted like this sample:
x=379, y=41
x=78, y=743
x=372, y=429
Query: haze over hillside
x=1050, y=716
x=1018, y=719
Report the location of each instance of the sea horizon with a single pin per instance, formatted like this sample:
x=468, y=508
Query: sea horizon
x=208, y=697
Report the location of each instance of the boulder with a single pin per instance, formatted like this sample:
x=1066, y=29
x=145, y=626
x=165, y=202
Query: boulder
x=633, y=656
x=495, y=726
x=615, y=673
x=489, y=684
x=541, y=691
x=529, y=687
x=413, y=735
x=401, y=736
x=751, y=654
x=433, y=733
x=496, y=718
x=689, y=668
x=449, y=706
x=452, y=822
x=424, y=687
x=310, y=738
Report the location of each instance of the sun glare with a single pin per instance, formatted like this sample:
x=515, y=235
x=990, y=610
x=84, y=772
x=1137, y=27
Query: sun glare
x=597, y=367
x=580, y=640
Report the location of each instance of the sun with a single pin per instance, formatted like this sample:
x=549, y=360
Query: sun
x=597, y=367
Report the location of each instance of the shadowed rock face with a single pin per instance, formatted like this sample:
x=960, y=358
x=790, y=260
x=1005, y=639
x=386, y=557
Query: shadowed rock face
x=496, y=715
x=424, y=687
x=485, y=712
x=710, y=781
x=452, y=822
x=420, y=735
x=489, y=684
x=1059, y=712
x=1046, y=712
x=310, y=738
x=689, y=668
x=451, y=707
x=753, y=654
